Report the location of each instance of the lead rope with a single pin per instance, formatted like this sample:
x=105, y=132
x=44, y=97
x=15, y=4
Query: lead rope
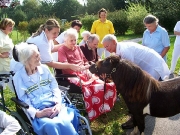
x=103, y=98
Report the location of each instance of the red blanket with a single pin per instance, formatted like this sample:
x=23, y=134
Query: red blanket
x=97, y=100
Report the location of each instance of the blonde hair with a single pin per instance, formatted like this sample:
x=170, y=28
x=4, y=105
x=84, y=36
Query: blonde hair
x=49, y=25
x=5, y=22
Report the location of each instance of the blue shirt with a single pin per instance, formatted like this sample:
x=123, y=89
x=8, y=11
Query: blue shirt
x=157, y=40
x=37, y=88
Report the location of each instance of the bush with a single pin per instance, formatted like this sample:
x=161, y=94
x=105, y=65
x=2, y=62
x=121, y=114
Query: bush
x=23, y=29
x=167, y=12
x=120, y=21
x=136, y=14
x=87, y=21
x=36, y=22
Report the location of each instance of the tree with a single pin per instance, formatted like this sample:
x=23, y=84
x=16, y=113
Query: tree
x=66, y=9
x=167, y=11
x=19, y=16
x=93, y=6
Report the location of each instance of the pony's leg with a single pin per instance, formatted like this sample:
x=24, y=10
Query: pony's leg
x=140, y=122
x=135, y=130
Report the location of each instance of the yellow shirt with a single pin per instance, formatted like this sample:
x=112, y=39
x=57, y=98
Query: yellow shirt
x=6, y=45
x=102, y=29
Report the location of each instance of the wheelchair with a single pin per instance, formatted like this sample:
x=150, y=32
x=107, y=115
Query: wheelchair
x=4, y=79
x=74, y=93
x=24, y=119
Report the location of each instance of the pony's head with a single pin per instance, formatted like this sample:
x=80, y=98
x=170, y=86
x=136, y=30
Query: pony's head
x=106, y=66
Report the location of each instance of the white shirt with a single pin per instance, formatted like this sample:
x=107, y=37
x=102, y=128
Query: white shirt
x=44, y=45
x=8, y=124
x=60, y=38
x=147, y=59
x=177, y=28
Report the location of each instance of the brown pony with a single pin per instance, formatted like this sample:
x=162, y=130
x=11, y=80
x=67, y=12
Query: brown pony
x=142, y=94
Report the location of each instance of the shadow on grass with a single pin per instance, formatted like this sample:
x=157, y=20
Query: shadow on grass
x=110, y=123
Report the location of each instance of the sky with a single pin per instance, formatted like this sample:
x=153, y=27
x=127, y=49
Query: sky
x=81, y=2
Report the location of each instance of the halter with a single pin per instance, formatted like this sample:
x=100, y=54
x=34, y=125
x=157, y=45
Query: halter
x=107, y=75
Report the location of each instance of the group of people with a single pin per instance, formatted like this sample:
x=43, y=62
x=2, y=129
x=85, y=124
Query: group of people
x=36, y=86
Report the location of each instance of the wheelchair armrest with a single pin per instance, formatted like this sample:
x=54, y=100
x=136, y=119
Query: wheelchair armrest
x=20, y=103
x=65, y=75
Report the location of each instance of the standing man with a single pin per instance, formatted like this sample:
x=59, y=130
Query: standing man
x=155, y=36
x=147, y=59
x=101, y=27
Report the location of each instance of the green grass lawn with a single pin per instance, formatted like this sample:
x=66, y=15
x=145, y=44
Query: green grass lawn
x=109, y=123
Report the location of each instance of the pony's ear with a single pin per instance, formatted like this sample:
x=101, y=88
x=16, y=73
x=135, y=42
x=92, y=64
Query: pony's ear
x=115, y=59
x=15, y=54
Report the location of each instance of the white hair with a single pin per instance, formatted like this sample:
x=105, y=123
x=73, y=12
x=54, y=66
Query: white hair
x=85, y=33
x=92, y=37
x=25, y=51
x=109, y=37
x=70, y=32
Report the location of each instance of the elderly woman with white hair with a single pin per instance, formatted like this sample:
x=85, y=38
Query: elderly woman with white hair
x=97, y=100
x=36, y=86
x=85, y=35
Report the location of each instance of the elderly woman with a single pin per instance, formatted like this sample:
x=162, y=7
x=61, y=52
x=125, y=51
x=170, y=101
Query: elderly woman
x=36, y=86
x=6, y=44
x=155, y=36
x=97, y=100
x=85, y=35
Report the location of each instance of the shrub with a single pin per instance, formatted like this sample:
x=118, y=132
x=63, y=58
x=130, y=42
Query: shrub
x=136, y=14
x=23, y=29
x=87, y=21
x=36, y=22
x=120, y=21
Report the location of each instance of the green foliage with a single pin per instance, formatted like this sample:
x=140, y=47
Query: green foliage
x=23, y=29
x=36, y=22
x=87, y=21
x=120, y=21
x=19, y=16
x=93, y=6
x=136, y=14
x=66, y=9
x=167, y=11
x=65, y=26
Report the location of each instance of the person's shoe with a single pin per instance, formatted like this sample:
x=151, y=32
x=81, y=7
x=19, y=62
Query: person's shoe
x=128, y=124
x=171, y=76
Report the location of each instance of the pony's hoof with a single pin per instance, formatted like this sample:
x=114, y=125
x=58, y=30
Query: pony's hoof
x=135, y=131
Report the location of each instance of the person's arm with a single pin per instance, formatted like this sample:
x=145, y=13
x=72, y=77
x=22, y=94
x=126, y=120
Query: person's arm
x=4, y=55
x=60, y=65
x=9, y=124
x=165, y=50
x=56, y=47
x=176, y=33
x=112, y=31
x=93, y=29
x=165, y=42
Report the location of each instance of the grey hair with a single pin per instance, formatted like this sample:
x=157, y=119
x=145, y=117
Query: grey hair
x=150, y=19
x=92, y=37
x=109, y=37
x=70, y=32
x=25, y=51
x=85, y=33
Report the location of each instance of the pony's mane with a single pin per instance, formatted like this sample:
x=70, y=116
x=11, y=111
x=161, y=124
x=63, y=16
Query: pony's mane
x=134, y=82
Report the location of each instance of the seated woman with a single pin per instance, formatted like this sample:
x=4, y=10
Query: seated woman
x=97, y=100
x=36, y=86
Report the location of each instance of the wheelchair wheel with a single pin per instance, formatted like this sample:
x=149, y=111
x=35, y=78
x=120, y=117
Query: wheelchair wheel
x=23, y=124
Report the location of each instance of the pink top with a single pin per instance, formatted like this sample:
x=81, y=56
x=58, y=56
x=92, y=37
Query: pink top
x=76, y=56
